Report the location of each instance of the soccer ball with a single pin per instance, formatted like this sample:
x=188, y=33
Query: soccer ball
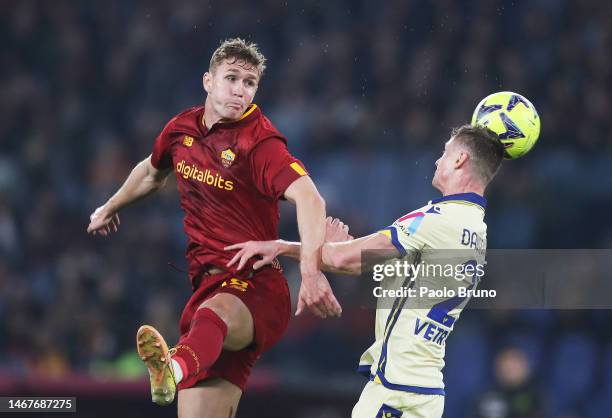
x=513, y=118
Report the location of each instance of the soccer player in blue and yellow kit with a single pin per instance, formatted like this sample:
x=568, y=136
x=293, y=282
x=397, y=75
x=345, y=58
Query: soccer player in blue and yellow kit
x=404, y=365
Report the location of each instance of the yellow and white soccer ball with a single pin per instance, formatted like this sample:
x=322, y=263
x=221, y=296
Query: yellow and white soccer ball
x=513, y=118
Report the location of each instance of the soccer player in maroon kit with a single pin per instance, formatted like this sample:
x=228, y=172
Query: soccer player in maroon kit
x=232, y=167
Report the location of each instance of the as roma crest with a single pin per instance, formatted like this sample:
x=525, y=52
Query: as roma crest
x=227, y=158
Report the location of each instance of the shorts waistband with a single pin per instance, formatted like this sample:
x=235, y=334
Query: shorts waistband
x=212, y=270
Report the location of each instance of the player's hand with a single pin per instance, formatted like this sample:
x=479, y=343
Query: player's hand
x=103, y=222
x=336, y=230
x=267, y=250
x=316, y=295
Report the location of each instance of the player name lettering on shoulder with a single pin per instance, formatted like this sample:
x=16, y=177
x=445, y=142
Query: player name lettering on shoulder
x=473, y=240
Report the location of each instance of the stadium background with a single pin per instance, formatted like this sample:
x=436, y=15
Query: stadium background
x=366, y=93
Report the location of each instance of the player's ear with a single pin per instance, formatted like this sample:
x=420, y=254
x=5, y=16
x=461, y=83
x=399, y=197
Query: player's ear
x=207, y=81
x=461, y=159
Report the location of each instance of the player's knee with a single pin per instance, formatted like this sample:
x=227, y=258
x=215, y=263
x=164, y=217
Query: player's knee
x=223, y=311
x=236, y=317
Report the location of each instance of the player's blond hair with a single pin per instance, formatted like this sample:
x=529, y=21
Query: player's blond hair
x=237, y=49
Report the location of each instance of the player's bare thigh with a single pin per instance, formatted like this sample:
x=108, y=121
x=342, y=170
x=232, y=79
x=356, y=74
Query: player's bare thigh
x=237, y=317
x=212, y=398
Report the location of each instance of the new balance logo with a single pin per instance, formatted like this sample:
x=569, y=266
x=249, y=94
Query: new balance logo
x=188, y=141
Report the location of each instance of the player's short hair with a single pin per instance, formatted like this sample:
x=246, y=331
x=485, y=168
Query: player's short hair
x=237, y=49
x=485, y=149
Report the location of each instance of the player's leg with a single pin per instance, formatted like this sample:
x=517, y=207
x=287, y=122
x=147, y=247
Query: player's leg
x=225, y=320
x=425, y=406
x=377, y=401
x=200, y=349
x=211, y=398
x=237, y=317
x=373, y=398
x=221, y=322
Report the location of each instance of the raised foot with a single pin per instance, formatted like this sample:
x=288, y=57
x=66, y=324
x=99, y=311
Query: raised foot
x=154, y=352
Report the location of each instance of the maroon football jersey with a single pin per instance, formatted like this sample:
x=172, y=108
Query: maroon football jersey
x=230, y=178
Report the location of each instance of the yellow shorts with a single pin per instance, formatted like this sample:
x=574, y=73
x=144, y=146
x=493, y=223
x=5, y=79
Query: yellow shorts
x=376, y=401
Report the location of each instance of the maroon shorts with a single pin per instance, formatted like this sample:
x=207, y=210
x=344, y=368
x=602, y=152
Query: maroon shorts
x=266, y=295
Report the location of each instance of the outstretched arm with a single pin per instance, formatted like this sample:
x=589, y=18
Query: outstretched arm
x=346, y=257
x=142, y=181
x=338, y=257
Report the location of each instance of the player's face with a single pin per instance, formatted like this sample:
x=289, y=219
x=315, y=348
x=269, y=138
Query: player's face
x=446, y=164
x=231, y=87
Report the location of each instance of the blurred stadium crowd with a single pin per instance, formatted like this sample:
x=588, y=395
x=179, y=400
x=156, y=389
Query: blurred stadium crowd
x=366, y=94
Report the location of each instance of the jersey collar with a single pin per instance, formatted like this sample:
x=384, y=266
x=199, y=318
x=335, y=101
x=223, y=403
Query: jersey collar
x=246, y=115
x=470, y=197
x=250, y=113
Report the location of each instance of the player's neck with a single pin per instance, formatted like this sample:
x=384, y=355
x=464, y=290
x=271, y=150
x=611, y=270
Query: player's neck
x=210, y=116
x=462, y=185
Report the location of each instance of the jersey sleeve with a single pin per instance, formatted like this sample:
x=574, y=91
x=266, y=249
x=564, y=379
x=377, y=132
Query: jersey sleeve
x=161, y=157
x=413, y=231
x=274, y=168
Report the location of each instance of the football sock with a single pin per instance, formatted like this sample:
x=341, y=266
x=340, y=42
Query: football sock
x=203, y=344
x=177, y=371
